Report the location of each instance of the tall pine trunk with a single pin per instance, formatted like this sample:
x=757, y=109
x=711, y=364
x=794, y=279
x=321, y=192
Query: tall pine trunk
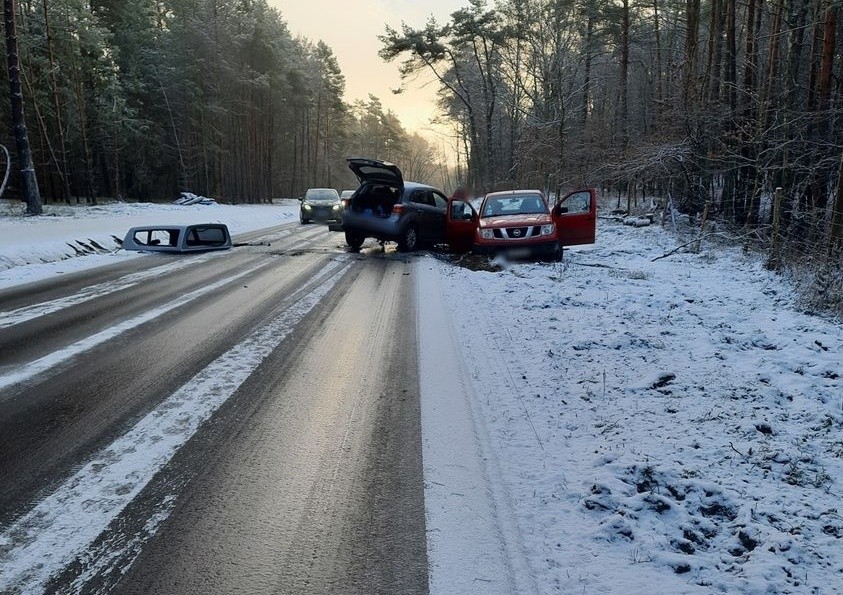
x=624, y=76
x=835, y=239
x=64, y=170
x=30, y=182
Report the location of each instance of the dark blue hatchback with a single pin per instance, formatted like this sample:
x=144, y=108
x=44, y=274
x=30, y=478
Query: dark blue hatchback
x=387, y=208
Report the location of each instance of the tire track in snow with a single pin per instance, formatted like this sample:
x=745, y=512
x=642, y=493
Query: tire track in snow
x=473, y=539
x=21, y=315
x=52, y=360
x=66, y=523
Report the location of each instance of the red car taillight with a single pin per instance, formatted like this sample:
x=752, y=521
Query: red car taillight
x=398, y=208
x=345, y=202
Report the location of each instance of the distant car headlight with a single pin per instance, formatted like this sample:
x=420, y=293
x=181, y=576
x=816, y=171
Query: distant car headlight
x=487, y=234
x=306, y=207
x=548, y=230
x=337, y=207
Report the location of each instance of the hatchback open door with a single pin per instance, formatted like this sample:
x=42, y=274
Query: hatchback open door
x=461, y=221
x=575, y=216
x=375, y=171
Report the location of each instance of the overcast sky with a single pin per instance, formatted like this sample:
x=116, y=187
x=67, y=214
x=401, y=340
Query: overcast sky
x=351, y=29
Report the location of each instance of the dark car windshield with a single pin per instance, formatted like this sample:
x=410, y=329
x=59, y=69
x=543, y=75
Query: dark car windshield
x=517, y=204
x=321, y=194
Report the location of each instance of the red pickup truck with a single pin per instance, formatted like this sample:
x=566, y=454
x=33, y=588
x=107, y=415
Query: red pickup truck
x=522, y=223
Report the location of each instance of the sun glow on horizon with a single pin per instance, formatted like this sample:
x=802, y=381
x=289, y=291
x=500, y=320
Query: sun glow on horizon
x=351, y=30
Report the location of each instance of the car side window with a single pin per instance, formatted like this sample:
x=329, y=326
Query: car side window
x=579, y=202
x=157, y=237
x=422, y=197
x=440, y=201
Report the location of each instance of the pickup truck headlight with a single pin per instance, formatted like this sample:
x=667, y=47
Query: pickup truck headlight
x=549, y=229
x=487, y=234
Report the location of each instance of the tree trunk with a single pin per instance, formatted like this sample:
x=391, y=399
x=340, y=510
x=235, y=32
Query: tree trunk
x=586, y=87
x=828, y=48
x=30, y=182
x=731, y=75
x=624, y=83
x=657, y=33
x=773, y=63
x=715, y=52
x=835, y=238
x=692, y=14
x=63, y=169
x=750, y=59
x=749, y=173
x=90, y=188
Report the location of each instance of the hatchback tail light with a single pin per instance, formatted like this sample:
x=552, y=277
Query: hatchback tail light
x=398, y=208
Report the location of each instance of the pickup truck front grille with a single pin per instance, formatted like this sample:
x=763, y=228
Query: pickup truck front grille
x=517, y=233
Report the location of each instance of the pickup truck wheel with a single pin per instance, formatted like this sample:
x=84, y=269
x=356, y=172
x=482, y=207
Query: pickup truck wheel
x=409, y=239
x=354, y=240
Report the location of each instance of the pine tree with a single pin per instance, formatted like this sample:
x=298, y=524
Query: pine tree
x=30, y=183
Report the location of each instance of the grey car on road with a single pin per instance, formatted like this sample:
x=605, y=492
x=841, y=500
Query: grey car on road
x=320, y=204
x=387, y=208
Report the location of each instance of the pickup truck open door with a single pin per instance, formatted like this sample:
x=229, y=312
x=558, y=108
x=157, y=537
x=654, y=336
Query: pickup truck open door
x=575, y=216
x=461, y=221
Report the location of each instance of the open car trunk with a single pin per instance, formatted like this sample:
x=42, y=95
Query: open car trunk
x=376, y=199
x=381, y=185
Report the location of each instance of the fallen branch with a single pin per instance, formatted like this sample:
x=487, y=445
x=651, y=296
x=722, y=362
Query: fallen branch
x=743, y=456
x=677, y=249
x=592, y=264
x=734, y=238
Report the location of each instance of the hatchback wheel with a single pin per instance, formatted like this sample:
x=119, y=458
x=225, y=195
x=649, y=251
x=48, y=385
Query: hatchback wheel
x=354, y=240
x=409, y=239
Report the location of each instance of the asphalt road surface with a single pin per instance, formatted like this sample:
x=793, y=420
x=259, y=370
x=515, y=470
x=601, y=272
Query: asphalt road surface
x=306, y=478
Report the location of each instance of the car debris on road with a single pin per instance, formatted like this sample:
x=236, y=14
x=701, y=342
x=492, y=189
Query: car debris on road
x=178, y=238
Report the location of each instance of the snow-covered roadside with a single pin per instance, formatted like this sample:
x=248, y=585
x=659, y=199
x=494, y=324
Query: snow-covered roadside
x=68, y=238
x=473, y=543
x=660, y=427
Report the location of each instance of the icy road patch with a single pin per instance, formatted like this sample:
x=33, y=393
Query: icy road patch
x=64, y=524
